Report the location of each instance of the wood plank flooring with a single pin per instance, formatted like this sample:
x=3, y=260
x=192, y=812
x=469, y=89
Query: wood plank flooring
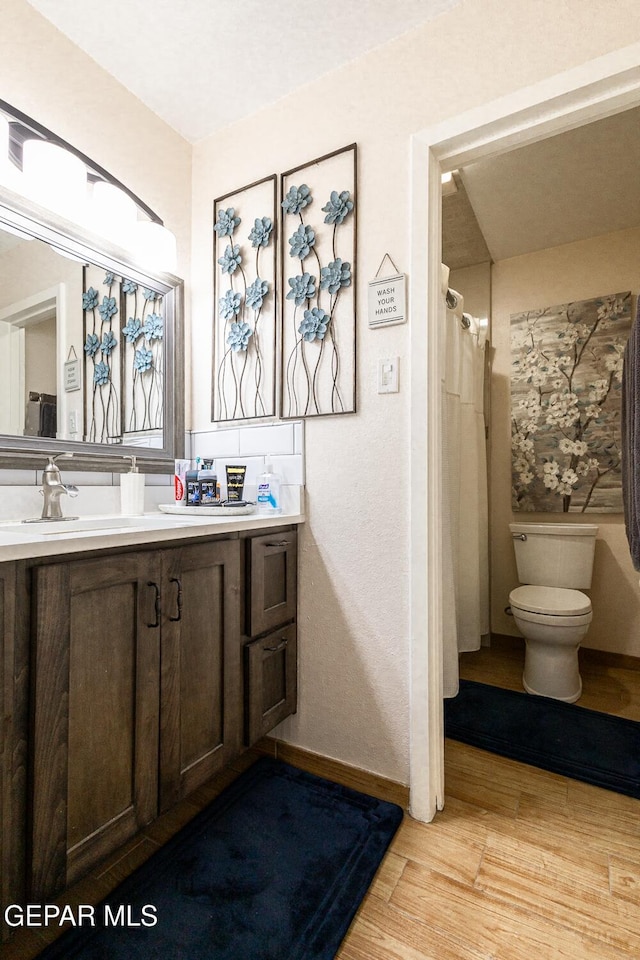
x=610, y=683
x=520, y=864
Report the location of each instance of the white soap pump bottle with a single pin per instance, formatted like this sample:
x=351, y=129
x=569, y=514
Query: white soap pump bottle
x=269, y=491
x=132, y=492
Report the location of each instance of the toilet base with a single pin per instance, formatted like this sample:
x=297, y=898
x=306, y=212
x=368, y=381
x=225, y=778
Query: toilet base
x=537, y=693
x=551, y=670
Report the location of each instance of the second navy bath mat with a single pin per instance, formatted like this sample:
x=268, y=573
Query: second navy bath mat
x=561, y=737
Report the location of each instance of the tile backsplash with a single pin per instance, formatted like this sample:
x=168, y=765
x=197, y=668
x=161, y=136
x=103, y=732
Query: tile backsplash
x=99, y=493
x=282, y=443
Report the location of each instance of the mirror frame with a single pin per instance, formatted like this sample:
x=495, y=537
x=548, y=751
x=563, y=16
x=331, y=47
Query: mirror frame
x=21, y=215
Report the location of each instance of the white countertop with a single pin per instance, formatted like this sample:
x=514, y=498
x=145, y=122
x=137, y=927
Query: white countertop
x=20, y=541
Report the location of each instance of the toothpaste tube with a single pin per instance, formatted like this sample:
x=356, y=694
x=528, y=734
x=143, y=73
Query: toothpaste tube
x=180, y=480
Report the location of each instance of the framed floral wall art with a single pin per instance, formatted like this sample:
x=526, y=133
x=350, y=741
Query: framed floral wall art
x=245, y=303
x=124, y=358
x=318, y=342
x=566, y=370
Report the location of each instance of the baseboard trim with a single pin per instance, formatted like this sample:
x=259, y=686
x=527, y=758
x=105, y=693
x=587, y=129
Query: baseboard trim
x=354, y=777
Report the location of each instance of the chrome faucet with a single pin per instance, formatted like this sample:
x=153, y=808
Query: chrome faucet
x=52, y=490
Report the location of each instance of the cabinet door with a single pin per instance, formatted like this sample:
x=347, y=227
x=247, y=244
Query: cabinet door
x=270, y=666
x=201, y=716
x=272, y=580
x=95, y=719
x=13, y=704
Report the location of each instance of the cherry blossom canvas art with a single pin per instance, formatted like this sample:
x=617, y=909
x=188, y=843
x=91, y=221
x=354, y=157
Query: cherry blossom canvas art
x=566, y=372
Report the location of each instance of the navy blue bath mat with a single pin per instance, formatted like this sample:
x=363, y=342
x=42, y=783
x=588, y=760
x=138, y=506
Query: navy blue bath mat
x=561, y=737
x=274, y=869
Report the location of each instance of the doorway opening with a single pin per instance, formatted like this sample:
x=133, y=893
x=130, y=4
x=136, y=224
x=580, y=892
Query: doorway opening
x=592, y=92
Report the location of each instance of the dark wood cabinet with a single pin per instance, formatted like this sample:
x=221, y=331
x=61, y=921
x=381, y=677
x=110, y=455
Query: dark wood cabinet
x=127, y=679
x=201, y=650
x=270, y=665
x=95, y=695
x=13, y=656
x=271, y=658
x=272, y=581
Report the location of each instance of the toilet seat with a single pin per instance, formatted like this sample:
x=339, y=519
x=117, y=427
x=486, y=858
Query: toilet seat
x=550, y=601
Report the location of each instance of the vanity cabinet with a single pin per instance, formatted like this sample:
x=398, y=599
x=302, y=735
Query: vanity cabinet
x=13, y=720
x=135, y=672
x=128, y=678
x=201, y=662
x=95, y=694
x=270, y=660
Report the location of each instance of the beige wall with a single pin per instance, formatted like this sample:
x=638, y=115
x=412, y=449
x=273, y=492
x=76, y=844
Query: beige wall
x=354, y=575
x=574, y=271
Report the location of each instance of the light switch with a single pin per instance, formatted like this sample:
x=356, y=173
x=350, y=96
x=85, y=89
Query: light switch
x=388, y=375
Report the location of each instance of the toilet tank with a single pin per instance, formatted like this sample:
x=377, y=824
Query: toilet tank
x=555, y=554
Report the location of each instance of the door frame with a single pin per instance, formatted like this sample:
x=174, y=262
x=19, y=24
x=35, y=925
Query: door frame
x=600, y=88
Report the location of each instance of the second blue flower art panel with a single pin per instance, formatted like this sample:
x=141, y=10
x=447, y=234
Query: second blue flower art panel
x=318, y=341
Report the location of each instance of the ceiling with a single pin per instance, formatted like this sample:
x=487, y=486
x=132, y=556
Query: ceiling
x=203, y=64
x=579, y=184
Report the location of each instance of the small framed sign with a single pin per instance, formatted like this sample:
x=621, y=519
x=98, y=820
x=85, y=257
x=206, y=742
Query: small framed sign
x=72, y=373
x=387, y=297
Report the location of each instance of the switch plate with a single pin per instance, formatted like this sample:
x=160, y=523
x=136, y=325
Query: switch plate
x=73, y=421
x=388, y=375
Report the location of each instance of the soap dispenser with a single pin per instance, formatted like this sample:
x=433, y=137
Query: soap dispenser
x=132, y=492
x=269, y=491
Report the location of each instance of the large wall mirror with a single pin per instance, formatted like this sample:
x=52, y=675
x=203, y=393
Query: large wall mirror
x=91, y=346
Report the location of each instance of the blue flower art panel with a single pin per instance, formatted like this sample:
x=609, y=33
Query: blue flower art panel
x=124, y=359
x=318, y=364
x=566, y=371
x=244, y=332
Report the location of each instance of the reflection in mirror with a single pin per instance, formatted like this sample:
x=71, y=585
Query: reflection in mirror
x=90, y=344
x=91, y=352
x=81, y=349
x=123, y=343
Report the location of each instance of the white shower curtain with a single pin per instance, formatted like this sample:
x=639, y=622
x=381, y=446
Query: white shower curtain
x=465, y=501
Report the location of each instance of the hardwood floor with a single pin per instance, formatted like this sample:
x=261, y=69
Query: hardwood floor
x=520, y=864
x=610, y=683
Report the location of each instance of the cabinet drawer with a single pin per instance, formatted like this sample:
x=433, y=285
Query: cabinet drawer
x=270, y=668
x=272, y=581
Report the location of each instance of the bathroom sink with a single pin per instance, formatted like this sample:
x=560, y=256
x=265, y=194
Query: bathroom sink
x=49, y=528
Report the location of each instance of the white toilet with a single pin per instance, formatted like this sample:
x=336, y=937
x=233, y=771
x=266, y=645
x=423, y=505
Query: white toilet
x=555, y=561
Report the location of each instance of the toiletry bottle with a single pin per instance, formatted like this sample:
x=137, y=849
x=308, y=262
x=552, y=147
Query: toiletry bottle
x=208, y=482
x=269, y=491
x=132, y=492
x=235, y=483
x=193, y=486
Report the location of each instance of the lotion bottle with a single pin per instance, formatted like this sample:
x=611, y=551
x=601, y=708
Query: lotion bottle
x=132, y=492
x=269, y=491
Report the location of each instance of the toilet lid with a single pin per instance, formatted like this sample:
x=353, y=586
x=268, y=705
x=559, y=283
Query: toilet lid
x=554, y=601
